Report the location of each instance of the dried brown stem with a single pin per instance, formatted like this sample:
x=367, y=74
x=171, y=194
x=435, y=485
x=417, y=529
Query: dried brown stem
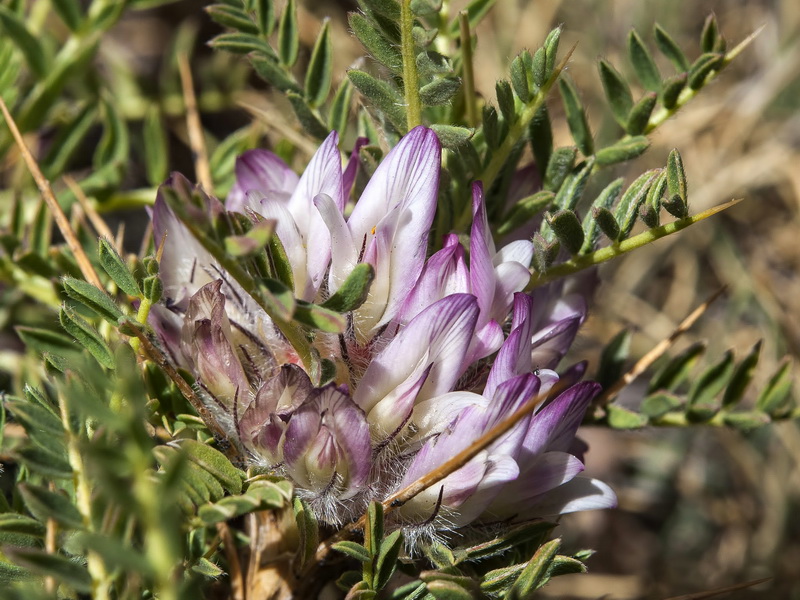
x=718, y=591
x=85, y=265
x=234, y=566
x=657, y=352
x=400, y=497
x=99, y=224
x=194, y=127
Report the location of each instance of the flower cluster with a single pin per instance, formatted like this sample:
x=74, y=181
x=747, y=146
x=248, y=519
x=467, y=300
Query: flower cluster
x=442, y=349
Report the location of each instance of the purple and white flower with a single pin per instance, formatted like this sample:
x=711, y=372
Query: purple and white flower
x=443, y=348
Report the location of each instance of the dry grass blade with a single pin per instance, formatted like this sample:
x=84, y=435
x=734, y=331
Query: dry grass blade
x=648, y=359
x=718, y=591
x=195, y=128
x=402, y=496
x=99, y=224
x=61, y=220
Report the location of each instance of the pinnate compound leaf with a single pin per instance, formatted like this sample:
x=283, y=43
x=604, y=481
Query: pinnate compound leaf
x=87, y=336
x=676, y=370
x=702, y=67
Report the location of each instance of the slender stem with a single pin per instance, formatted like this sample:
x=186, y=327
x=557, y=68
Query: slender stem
x=469, y=73
x=86, y=267
x=83, y=501
x=195, y=128
x=579, y=263
x=410, y=75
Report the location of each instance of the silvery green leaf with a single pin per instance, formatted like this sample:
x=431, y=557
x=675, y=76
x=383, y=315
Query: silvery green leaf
x=703, y=403
x=440, y=91
x=576, y=117
x=519, y=79
x=570, y=192
x=93, y=298
x=675, y=371
x=45, y=340
x=535, y=573
x=353, y=550
x=558, y=167
x=354, y=291
x=775, y=399
x=305, y=114
x=544, y=252
x=242, y=43
x=426, y=8
x=16, y=30
x=659, y=404
x=64, y=570
x=606, y=222
x=70, y=12
x=386, y=560
x=232, y=17
x=87, y=336
x=308, y=531
x=375, y=43
x=639, y=117
x=505, y=100
x=274, y=74
x=702, y=67
x=382, y=95
x=672, y=90
x=265, y=16
x=288, y=35
x=551, y=51
x=320, y=68
x=622, y=418
x=387, y=8
x=114, y=146
x=670, y=49
x=643, y=63
x=567, y=228
x=539, y=67
x=741, y=377
x=320, y=318
x=617, y=92
x=452, y=137
x=710, y=34
x=116, y=268
x=340, y=107
x=625, y=149
x=676, y=178
x=628, y=208
x=540, y=133
x=430, y=63
x=745, y=421
x=215, y=463
x=491, y=127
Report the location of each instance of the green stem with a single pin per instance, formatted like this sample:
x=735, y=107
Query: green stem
x=410, y=75
x=101, y=580
x=579, y=263
x=469, y=74
x=141, y=316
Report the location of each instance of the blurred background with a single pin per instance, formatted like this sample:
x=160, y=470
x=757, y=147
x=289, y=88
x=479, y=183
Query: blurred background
x=700, y=508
